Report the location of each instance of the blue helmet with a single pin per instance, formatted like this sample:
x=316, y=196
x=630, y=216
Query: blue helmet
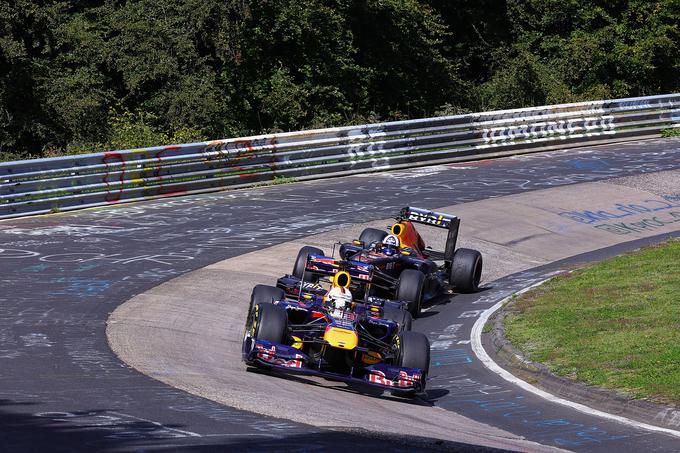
x=391, y=245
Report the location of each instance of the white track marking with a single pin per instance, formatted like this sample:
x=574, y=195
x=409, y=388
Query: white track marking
x=493, y=366
x=160, y=425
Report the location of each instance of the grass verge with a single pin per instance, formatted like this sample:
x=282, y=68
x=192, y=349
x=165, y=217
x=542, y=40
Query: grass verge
x=672, y=132
x=615, y=324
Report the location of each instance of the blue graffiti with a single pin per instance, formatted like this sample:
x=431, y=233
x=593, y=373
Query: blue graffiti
x=588, y=436
x=450, y=357
x=621, y=210
x=35, y=268
x=86, y=267
x=560, y=431
x=80, y=286
x=645, y=224
x=590, y=164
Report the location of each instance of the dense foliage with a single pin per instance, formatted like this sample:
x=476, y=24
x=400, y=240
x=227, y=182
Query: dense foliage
x=87, y=76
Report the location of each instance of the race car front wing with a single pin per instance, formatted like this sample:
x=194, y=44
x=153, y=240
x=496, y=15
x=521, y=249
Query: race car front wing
x=291, y=360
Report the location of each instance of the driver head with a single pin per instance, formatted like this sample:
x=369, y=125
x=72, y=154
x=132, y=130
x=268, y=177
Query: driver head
x=338, y=298
x=391, y=245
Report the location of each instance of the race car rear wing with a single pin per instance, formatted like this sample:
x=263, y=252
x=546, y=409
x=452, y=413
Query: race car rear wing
x=439, y=220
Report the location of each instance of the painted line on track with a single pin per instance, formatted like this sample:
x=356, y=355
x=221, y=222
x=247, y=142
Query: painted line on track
x=160, y=425
x=488, y=362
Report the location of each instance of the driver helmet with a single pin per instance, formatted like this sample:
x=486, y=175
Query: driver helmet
x=391, y=245
x=338, y=298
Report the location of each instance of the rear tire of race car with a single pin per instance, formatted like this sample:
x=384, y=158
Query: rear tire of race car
x=301, y=260
x=410, y=289
x=400, y=316
x=271, y=323
x=265, y=294
x=370, y=235
x=466, y=270
x=414, y=352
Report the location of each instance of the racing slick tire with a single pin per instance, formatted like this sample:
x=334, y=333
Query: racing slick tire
x=269, y=322
x=301, y=260
x=410, y=289
x=400, y=316
x=370, y=235
x=413, y=352
x=466, y=270
x=265, y=294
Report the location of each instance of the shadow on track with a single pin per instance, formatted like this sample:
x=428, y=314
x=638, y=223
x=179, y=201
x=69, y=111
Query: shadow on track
x=102, y=431
x=445, y=299
x=353, y=388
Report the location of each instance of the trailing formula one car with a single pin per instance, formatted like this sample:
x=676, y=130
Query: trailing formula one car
x=405, y=268
x=300, y=328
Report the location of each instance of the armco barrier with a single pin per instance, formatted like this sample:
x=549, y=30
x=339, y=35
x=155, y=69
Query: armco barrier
x=72, y=182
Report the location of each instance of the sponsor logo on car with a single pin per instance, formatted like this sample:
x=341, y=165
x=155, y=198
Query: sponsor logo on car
x=269, y=355
x=403, y=379
x=432, y=220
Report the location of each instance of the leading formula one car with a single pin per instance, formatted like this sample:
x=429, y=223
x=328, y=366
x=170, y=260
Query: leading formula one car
x=405, y=268
x=334, y=335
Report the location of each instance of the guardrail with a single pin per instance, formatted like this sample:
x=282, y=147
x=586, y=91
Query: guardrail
x=87, y=180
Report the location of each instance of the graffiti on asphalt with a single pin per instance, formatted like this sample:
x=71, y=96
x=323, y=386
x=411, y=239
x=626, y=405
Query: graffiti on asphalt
x=622, y=210
x=658, y=213
x=652, y=223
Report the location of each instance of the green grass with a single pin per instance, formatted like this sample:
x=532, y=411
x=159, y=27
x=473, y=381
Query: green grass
x=673, y=132
x=615, y=324
x=284, y=180
x=276, y=181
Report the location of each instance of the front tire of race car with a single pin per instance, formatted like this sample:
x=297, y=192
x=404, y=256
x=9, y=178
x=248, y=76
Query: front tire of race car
x=413, y=351
x=270, y=323
x=370, y=235
x=301, y=261
x=265, y=294
x=400, y=316
x=466, y=270
x=410, y=289
x=266, y=321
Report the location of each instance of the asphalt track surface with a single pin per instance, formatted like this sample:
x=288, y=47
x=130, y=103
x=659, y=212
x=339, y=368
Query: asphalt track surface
x=61, y=388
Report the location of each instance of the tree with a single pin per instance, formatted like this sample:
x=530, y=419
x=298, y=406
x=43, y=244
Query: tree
x=402, y=43
x=79, y=76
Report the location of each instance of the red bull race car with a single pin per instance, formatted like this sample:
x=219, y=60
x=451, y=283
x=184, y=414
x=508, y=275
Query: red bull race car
x=301, y=328
x=405, y=268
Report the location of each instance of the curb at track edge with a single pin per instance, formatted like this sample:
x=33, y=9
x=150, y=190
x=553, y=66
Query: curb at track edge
x=489, y=363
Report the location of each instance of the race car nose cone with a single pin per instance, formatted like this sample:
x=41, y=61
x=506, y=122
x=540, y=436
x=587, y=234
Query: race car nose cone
x=341, y=338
